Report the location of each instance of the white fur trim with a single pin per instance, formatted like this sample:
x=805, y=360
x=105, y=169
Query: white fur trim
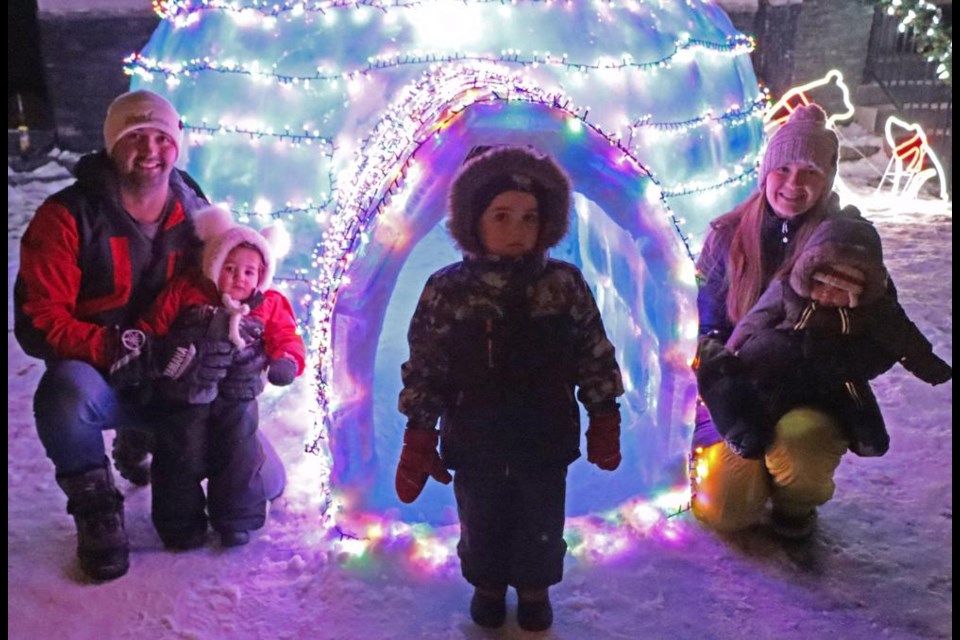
x=211, y=221
x=236, y=310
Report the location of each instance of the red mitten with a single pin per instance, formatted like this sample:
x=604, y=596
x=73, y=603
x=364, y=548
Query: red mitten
x=418, y=461
x=603, y=440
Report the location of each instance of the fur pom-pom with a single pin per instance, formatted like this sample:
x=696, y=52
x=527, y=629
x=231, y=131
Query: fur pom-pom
x=211, y=222
x=278, y=238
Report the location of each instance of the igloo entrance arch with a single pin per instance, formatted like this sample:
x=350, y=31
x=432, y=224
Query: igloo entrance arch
x=624, y=240
x=341, y=117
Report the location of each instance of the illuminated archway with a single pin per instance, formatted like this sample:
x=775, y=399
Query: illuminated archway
x=624, y=240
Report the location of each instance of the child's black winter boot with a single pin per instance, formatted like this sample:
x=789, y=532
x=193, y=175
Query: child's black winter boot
x=488, y=607
x=534, y=612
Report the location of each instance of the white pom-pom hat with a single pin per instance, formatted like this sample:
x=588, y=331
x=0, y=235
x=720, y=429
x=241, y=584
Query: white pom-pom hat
x=221, y=235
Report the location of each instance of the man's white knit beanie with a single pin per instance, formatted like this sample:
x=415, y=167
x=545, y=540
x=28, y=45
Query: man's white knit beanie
x=140, y=110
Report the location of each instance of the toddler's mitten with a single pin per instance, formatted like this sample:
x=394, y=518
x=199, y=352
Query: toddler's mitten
x=603, y=440
x=282, y=372
x=418, y=461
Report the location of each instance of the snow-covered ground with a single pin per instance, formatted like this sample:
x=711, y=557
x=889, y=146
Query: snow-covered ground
x=880, y=566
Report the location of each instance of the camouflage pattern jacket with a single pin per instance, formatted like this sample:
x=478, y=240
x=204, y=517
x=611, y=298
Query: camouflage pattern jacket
x=496, y=351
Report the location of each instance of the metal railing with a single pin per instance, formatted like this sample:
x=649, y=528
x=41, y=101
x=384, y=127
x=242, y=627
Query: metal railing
x=911, y=84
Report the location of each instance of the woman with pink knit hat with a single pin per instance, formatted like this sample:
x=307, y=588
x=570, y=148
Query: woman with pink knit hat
x=764, y=432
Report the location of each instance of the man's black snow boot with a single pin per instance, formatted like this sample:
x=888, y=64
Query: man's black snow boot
x=97, y=509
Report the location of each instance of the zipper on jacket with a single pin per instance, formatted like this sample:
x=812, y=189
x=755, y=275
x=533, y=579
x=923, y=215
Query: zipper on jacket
x=852, y=392
x=785, y=229
x=490, y=343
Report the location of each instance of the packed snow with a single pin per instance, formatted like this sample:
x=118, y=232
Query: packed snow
x=879, y=566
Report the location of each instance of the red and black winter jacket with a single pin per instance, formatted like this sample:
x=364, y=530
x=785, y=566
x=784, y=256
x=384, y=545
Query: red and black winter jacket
x=279, y=336
x=86, y=266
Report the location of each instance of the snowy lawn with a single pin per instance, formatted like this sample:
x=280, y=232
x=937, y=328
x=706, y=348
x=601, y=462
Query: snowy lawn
x=880, y=566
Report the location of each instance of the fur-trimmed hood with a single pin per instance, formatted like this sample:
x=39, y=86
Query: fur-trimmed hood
x=472, y=188
x=842, y=241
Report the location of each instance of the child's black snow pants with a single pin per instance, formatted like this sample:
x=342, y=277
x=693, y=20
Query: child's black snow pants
x=511, y=526
x=217, y=441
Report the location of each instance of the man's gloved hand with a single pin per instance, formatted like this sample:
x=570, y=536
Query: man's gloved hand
x=418, y=461
x=714, y=361
x=603, y=440
x=746, y=441
x=131, y=360
x=282, y=372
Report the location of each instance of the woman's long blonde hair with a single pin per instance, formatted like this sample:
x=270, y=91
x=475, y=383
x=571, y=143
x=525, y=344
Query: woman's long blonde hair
x=745, y=281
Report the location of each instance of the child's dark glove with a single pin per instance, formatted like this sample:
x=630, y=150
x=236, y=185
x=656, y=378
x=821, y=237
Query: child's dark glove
x=603, y=440
x=418, y=461
x=929, y=368
x=282, y=372
x=210, y=365
x=244, y=378
x=746, y=441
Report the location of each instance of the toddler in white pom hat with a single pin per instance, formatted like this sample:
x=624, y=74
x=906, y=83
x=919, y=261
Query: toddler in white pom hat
x=210, y=430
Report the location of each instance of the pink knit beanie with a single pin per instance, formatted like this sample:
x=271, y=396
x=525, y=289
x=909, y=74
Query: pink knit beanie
x=805, y=139
x=140, y=110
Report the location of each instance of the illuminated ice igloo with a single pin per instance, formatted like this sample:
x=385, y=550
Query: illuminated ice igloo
x=348, y=119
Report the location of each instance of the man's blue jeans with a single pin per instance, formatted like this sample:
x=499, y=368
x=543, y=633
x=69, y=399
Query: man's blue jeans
x=74, y=404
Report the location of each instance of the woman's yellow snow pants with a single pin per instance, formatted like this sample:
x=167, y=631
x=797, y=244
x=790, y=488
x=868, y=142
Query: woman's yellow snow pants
x=731, y=492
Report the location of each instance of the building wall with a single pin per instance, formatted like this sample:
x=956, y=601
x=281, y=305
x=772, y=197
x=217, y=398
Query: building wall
x=800, y=41
x=83, y=52
x=832, y=34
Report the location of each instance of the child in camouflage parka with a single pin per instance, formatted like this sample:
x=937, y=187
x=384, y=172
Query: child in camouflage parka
x=498, y=343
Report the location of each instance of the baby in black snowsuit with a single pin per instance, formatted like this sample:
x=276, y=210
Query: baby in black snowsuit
x=795, y=349
x=209, y=430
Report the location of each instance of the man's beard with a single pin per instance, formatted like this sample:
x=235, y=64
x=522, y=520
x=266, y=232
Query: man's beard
x=144, y=182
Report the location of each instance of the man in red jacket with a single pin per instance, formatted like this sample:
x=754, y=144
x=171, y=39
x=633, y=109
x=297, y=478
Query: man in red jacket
x=93, y=259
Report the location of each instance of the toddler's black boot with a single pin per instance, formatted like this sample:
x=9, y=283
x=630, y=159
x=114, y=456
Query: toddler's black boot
x=488, y=607
x=534, y=612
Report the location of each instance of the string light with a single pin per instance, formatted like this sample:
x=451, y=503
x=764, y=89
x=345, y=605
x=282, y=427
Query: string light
x=175, y=71
x=933, y=35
